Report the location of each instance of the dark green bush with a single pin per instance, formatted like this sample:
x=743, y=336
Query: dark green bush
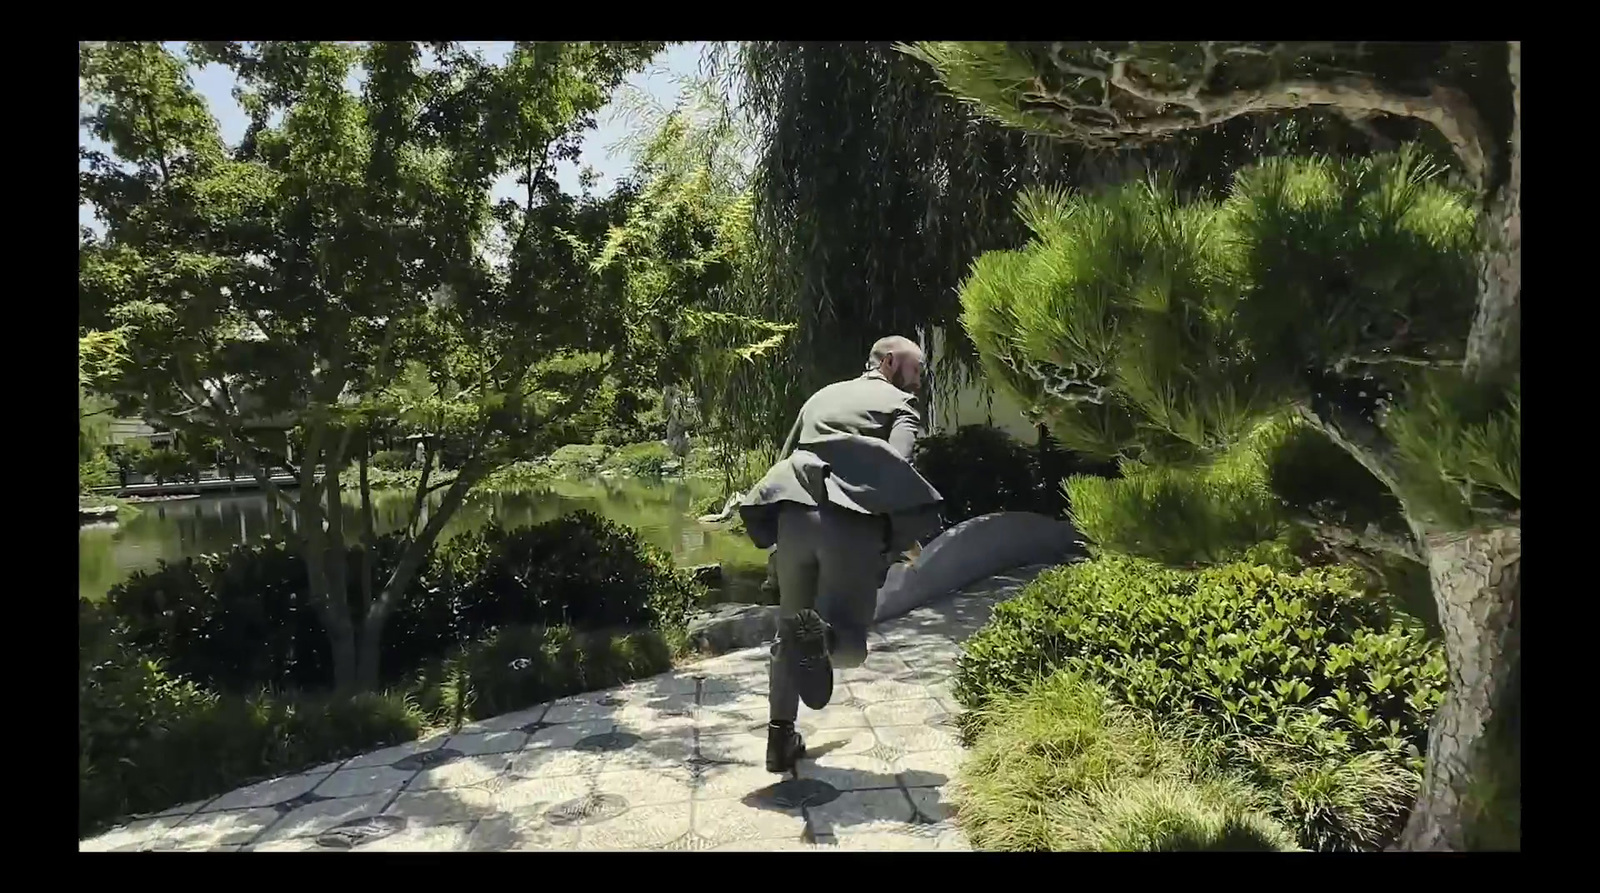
x=149, y=739
x=579, y=570
x=394, y=460
x=979, y=469
x=238, y=621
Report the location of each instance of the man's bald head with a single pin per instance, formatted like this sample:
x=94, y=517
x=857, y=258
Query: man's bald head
x=898, y=359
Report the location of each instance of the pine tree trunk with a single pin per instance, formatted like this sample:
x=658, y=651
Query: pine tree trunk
x=1472, y=793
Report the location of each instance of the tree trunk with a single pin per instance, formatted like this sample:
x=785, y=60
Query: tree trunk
x=1472, y=794
x=368, y=670
x=333, y=608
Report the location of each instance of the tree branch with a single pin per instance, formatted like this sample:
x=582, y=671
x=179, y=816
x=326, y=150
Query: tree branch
x=1355, y=96
x=1372, y=539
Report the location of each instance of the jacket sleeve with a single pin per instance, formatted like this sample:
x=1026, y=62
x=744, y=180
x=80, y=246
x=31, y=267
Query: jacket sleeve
x=903, y=432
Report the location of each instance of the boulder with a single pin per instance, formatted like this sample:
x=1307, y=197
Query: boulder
x=730, y=627
x=972, y=550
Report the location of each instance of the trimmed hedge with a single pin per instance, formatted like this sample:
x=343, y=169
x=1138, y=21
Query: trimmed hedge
x=579, y=570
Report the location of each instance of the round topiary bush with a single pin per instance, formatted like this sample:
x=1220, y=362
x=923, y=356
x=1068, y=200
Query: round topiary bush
x=579, y=570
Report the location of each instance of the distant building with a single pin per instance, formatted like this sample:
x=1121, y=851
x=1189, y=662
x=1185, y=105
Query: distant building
x=121, y=431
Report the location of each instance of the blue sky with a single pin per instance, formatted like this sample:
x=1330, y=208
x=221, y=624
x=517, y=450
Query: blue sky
x=659, y=80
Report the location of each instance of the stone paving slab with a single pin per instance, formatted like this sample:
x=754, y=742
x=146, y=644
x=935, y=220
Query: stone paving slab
x=673, y=762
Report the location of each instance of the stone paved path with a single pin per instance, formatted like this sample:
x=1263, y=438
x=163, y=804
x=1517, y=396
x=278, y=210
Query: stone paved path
x=674, y=762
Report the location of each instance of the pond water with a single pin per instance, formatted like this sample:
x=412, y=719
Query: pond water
x=659, y=511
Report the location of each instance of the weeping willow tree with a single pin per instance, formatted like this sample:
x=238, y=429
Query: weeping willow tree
x=875, y=189
x=685, y=252
x=1378, y=306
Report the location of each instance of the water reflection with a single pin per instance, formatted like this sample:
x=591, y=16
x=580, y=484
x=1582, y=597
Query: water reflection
x=168, y=531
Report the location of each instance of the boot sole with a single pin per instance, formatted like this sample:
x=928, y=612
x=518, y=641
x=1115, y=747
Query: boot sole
x=809, y=664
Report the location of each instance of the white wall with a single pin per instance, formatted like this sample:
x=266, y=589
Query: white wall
x=971, y=405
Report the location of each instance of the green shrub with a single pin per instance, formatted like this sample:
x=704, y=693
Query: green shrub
x=394, y=460
x=1241, y=644
x=517, y=476
x=579, y=570
x=1061, y=767
x=584, y=458
x=1334, y=797
x=979, y=469
x=648, y=459
x=516, y=667
x=1340, y=687
x=96, y=471
x=166, y=465
x=237, y=621
x=149, y=739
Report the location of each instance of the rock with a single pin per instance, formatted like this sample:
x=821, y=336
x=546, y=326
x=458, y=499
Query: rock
x=730, y=627
x=728, y=509
x=709, y=575
x=92, y=514
x=971, y=551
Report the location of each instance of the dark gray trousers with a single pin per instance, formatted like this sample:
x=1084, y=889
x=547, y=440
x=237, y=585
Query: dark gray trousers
x=831, y=560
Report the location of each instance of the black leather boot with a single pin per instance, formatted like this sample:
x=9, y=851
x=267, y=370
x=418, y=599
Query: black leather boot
x=784, y=746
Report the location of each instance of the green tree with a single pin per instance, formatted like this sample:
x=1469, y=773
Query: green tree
x=345, y=263
x=691, y=275
x=1378, y=305
x=875, y=190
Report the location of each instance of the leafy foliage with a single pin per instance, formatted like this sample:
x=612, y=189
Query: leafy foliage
x=238, y=621
x=710, y=334
x=344, y=267
x=579, y=570
x=1135, y=325
x=149, y=739
x=1321, y=694
x=1245, y=646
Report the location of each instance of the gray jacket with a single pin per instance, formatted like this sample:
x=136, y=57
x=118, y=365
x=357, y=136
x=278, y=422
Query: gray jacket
x=850, y=447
